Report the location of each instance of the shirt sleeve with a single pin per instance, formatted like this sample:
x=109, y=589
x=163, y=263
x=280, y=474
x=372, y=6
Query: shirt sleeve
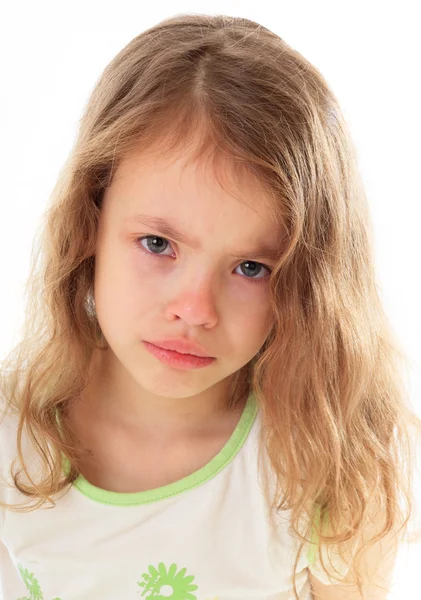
x=337, y=565
x=340, y=565
x=4, y=458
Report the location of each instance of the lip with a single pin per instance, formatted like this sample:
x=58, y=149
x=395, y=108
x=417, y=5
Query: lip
x=176, y=359
x=182, y=346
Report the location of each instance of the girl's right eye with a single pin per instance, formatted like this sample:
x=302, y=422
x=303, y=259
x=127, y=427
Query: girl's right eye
x=157, y=243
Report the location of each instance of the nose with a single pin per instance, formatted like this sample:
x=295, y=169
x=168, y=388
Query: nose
x=193, y=300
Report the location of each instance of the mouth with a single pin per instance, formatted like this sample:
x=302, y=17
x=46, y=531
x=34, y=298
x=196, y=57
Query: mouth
x=181, y=346
x=179, y=352
x=178, y=360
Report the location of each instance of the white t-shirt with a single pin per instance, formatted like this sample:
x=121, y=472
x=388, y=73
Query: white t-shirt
x=204, y=537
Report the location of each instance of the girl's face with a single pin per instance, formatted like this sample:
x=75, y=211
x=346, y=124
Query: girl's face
x=211, y=286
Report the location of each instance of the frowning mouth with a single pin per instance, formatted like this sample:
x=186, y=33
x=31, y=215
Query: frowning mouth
x=182, y=346
x=178, y=360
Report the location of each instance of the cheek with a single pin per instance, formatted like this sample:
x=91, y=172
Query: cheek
x=251, y=324
x=147, y=283
x=123, y=290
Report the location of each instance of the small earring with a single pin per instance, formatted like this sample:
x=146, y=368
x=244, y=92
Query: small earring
x=90, y=304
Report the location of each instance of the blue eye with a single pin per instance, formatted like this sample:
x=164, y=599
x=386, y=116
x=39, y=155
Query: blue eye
x=160, y=243
x=157, y=242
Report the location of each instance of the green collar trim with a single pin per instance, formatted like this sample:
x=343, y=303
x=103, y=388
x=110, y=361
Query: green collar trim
x=204, y=474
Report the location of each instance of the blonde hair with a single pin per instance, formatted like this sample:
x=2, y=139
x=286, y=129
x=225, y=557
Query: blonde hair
x=336, y=417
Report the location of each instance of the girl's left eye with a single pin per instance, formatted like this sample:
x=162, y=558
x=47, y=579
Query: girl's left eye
x=159, y=242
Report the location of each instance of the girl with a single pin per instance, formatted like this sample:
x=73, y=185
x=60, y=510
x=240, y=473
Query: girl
x=207, y=395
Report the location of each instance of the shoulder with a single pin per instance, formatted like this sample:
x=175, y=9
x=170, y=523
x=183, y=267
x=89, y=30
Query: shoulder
x=9, y=421
x=376, y=566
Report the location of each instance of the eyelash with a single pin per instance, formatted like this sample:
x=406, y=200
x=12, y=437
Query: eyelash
x=145, y=251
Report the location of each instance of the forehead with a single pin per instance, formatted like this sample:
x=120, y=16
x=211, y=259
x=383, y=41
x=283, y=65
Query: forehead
x=222, y=179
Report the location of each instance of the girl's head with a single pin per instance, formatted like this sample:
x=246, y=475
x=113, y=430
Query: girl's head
x=201, y=281
x=215, y=125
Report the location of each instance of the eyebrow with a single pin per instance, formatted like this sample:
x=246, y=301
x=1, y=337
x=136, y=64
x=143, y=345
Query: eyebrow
x=262, y=251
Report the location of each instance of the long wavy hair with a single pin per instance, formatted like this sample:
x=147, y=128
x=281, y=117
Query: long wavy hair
x=337, y=422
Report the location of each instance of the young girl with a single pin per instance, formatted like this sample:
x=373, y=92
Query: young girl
x=207, y=402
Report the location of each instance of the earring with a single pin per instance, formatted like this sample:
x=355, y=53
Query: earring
x=90, y=304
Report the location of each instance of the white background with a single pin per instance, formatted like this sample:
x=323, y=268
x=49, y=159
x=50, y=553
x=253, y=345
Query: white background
x=52, y=53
